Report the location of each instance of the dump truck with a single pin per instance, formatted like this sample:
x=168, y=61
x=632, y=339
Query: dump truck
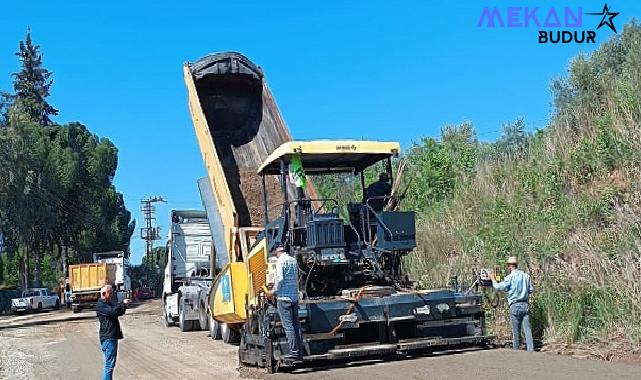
x=122, y=279
x=357, y=299
x=187, y=280
x=237, y=125
x=86, y=280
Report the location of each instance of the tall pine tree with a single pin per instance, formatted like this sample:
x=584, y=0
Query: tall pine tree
x=5, y=102
x=31, y=86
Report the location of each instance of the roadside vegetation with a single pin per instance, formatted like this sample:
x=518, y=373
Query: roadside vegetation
x=58, y=203
x=566, y=199
x=150, y=272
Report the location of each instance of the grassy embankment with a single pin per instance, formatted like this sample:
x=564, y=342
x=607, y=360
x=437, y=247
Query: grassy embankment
x=566, y=200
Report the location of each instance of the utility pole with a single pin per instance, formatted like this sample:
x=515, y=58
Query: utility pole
x=150, y=232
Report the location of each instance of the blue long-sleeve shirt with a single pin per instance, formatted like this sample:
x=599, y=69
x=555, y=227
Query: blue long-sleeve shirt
x=517, y=285
x=286, y=286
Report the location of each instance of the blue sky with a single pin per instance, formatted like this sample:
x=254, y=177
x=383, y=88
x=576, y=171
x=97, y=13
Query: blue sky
x=368, y=69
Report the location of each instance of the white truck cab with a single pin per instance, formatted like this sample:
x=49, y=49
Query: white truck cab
x=123, y=280
x=187, y=278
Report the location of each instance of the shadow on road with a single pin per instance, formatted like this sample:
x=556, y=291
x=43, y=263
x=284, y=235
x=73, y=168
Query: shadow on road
x=48, y=318
x=327, y=366
x=44, y=322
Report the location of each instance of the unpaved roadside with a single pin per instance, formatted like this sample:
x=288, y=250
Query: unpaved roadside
x=65, y=346
x=70, y=349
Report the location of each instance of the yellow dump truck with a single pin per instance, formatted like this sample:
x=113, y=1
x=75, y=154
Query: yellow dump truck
x=356, y=298
x=237, y=124
x=86, y=281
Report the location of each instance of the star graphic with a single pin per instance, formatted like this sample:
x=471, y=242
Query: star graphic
x=606, y=15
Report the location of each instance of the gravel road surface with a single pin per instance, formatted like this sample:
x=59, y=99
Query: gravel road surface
x=62, y=345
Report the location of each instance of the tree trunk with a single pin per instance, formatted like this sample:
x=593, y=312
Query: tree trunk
x=65, y=262
x=25, y=259
x=37, y=264
x=20, y=266
x=1, y=269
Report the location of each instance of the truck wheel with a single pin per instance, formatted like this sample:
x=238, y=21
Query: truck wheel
x=203, y=321
x=214, y=329
x=184, y=325
x=167, y=319
x=75, y=308
x=230, y=335
x=57, y=306
x=39, y=306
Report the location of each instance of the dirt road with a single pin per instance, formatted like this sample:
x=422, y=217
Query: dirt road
x=70, y=350
x=62, y=345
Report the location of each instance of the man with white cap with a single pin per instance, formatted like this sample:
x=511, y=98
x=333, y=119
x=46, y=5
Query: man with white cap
x=518, y=286
x=286, y=292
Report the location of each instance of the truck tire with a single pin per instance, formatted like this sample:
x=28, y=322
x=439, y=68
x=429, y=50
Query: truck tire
x=229, y=335
x=214, y=329
x=169, y=322
x=183, y=324
x=57, y=305
x=39, y=306
x=75, y=308
x=203, y=320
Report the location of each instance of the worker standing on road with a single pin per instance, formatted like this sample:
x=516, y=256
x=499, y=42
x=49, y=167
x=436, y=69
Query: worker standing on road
x=380, y=188
x=67, y=294
x=286, y=292
x=518, y=286
x=108, y=309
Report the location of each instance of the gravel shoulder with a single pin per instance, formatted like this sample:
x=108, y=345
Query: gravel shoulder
x=68, y=348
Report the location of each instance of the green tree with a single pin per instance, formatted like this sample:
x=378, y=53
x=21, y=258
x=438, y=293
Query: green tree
x=27, y=107
x=32, y=85
x=437, y=166
x=514, y=139
x=5, y=105
x=150, y=272
x=58, y=203
x=25, y=212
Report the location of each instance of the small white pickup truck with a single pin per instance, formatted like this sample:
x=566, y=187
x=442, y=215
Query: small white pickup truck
x=35, y=299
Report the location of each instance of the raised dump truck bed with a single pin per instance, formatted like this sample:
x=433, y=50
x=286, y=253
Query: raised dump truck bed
x=237, y=125
x=244, y=124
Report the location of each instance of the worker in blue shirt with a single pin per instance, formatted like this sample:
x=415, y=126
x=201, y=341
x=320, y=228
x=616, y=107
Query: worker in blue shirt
x=285, y=291
x=518, y=286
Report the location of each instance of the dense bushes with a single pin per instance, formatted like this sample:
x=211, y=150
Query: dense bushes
x=566, y=200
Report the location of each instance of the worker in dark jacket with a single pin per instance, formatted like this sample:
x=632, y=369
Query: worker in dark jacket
x=380, y=188
x=108, y=309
